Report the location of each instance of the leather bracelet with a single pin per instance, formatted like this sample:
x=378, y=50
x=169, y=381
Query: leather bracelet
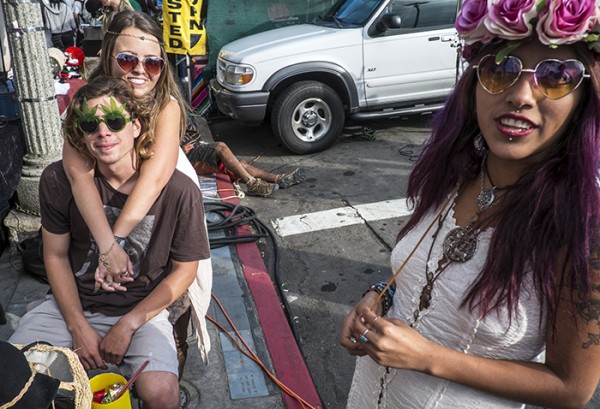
x=387, y=298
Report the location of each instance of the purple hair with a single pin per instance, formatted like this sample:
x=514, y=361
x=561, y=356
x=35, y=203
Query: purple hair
x=547, y=223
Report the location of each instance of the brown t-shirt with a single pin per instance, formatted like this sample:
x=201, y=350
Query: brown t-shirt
x=173, y=229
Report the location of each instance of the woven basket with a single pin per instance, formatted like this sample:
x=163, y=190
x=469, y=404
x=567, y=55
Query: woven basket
x=64, y=365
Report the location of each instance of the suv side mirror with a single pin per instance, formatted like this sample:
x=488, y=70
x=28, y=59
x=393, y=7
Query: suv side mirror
x=389, y=21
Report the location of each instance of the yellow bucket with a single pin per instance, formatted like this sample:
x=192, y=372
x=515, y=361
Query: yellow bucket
x=103, y=381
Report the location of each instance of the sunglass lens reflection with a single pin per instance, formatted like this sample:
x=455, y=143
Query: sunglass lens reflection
x=554, y=78
x=559, y=78
x=115, y=124
x=88, y=126
x=498, y=77
x=127, y=62
x=153, y=65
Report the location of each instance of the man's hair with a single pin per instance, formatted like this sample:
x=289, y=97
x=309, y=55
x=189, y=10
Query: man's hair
x=553, y=209
x=166, y=88
x=122, y=92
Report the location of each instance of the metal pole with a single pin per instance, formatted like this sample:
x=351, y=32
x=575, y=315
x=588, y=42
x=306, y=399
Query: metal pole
x=36, y=95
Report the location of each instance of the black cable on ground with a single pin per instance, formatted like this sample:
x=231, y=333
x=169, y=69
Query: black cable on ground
x=231, y=218
x=234, y=216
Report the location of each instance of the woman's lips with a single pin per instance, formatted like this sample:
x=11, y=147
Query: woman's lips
x=136, y=81
x=514, y=126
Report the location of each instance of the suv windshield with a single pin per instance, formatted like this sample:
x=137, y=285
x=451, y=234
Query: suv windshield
x=351, y=12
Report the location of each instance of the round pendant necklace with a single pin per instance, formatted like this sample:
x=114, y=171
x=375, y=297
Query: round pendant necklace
x=460, y=244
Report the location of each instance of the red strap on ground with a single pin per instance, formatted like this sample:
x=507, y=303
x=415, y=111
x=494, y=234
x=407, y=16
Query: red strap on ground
x=289, y=364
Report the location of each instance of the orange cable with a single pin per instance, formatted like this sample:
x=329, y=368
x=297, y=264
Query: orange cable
x=252, y=355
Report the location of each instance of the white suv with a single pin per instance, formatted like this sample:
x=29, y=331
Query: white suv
x=364, y=59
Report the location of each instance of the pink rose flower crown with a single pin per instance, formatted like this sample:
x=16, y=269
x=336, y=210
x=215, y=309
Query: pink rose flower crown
x=554, y=22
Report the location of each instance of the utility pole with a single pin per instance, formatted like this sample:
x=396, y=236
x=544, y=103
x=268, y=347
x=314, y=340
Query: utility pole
x=39, y=109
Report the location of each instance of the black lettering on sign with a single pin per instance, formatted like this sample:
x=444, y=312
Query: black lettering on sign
x=196, y=25
x=175, y=43
x=174, y=16
x=175, y=31
x=174, y=4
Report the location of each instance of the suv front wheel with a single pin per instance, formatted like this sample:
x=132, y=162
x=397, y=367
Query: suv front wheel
x=307, y=117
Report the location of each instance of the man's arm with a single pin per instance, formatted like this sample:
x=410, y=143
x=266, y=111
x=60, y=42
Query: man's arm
x=86, y=340
x=117, y=340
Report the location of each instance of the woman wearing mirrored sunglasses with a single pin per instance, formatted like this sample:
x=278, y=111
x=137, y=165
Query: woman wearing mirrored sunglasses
x=495, y=299
x=132, y=50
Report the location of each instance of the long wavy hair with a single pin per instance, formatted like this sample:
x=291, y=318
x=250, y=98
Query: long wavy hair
x=121, y=91
x=547, y=223
x=166, y=87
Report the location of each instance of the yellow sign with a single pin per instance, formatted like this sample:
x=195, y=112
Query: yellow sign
x=182, y=27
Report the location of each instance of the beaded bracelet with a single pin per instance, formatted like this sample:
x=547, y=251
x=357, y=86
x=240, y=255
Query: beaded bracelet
x=388, y=296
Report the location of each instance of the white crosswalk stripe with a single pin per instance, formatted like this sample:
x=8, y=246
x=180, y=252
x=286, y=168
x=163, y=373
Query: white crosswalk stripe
x=340, y=217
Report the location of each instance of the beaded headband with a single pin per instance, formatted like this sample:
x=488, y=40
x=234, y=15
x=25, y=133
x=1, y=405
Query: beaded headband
x=143, y=38
x=555, y=22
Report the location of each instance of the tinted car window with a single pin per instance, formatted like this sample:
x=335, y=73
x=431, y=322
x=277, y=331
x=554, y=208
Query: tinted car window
x=424, y=15
x=356, y=12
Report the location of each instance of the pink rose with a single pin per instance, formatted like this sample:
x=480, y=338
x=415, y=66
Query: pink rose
x=566, y=22
x=469, y=22
x=511, y=19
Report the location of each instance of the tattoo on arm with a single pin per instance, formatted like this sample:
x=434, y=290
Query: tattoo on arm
x=593, y=339
x=590, y=313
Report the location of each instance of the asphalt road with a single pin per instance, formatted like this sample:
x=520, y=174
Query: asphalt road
x=324, y=270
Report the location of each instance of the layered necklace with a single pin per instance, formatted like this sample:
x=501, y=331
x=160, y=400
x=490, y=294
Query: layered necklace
x=460, y=244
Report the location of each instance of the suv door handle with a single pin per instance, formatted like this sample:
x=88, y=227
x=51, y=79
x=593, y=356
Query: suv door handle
x=446, y=39
x=436, y=38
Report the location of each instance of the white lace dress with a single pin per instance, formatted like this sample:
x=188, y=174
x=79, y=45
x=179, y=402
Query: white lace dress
x=446, y=323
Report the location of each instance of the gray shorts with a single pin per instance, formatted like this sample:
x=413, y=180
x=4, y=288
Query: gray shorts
x=46, y=323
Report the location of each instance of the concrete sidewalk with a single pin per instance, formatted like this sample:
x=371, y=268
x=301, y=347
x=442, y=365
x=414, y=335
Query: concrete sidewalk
x=243, y=287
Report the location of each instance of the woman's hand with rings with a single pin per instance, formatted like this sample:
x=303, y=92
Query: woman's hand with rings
x=349, y=336
x=114, y=268
x=110, y=281
x=392, y=342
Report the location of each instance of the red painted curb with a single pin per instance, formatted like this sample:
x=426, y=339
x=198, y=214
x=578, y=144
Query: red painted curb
x=288, y=362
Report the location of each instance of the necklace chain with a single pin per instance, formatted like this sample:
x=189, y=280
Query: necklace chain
x=460, y=244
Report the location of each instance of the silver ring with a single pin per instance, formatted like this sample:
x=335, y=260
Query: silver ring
x=363, y=337
x=375, y=319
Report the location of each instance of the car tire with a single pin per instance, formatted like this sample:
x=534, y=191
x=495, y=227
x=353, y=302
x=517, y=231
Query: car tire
x=307, y=117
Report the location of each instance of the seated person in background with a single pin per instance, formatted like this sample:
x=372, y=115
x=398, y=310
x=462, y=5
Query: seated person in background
x=109, y=8
x=211, y=157
x=106, y=121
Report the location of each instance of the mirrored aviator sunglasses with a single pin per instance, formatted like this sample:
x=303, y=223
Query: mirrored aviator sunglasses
x=115, y=124
x=554, y=78
x=152, y=65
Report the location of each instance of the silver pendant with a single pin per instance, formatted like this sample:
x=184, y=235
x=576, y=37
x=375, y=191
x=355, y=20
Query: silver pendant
x=485, y=198
x=460, y=244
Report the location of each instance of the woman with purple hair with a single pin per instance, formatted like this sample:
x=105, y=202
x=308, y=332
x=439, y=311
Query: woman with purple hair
x=495, y=297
